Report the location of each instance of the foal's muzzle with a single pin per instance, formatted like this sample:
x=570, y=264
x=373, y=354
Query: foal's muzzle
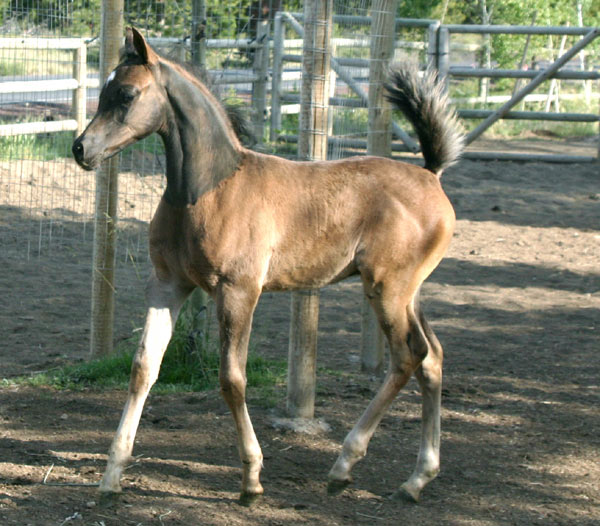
x=78, y=154
x=82, y=157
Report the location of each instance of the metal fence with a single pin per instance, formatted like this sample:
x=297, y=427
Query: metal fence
x=49, y=87
x=351, y=77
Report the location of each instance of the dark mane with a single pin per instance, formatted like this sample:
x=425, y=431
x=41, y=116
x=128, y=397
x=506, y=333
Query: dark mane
x=235, y=109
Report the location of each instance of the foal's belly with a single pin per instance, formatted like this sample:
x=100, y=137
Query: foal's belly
x=308, y=270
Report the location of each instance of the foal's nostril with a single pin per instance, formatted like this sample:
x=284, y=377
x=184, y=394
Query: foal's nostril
x=77, y=149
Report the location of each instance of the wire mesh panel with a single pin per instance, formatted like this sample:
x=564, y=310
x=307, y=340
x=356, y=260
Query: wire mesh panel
x=252, y=52
x=46, y=201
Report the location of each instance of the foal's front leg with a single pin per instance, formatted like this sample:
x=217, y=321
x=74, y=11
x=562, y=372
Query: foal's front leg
x=235, y=307
x=164, y=301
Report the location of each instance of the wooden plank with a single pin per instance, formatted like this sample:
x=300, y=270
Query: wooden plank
x=41, y=43
x=30, y=128
x=32, y=86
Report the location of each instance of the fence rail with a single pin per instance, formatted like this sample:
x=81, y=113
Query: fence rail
x=78, y=85
x=439, y=45
x=439, y=48
x=80, y=82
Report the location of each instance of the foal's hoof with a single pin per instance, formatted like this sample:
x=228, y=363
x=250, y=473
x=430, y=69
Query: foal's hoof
x=249, y=499
x=335, y=487
x=406, y=494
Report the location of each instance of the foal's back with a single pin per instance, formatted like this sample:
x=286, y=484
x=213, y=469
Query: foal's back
x=292, y=225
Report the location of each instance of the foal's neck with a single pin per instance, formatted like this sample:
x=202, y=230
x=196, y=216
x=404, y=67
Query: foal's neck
x=201, y=146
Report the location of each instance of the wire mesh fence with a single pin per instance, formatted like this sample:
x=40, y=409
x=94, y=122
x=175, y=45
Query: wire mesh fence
x=46, y=200
x=252, y=51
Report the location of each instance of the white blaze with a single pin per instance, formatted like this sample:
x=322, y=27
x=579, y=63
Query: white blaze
x=110, y=77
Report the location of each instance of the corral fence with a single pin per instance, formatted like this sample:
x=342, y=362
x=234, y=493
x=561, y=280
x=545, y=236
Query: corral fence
x=268, y=82
x=78, y=85
x=439, y=47
x=268, y=78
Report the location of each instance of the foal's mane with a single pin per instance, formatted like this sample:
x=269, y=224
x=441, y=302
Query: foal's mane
x=234, y=110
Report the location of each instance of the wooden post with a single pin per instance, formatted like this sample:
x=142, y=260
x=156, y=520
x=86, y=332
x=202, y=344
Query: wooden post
x=312, y=145
x=79, y=95
x=199, y=33
x=105, y=228
x=379, y=142
x=278, y=50
x=261, y=69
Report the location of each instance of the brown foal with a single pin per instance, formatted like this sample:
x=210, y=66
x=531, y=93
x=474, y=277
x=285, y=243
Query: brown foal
x=235, y=222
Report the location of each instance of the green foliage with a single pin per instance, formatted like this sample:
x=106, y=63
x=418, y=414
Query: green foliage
x=348, y=122
x=42, y=146
x=191, y=363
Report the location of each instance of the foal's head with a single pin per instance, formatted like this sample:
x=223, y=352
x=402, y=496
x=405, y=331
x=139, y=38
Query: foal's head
x=131, y=105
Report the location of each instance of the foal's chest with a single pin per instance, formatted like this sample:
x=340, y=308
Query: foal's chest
x=178, y=245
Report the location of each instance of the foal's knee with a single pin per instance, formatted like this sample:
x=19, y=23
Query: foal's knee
x=233, y=386
x=142, y=376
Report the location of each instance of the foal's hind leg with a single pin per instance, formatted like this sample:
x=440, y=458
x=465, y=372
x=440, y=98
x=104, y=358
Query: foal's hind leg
x=429, y=376
x=164, y=301
x=235, y=307
x=408, y=347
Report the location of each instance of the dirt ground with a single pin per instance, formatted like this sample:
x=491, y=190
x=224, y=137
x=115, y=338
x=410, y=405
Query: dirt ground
x=516, y=305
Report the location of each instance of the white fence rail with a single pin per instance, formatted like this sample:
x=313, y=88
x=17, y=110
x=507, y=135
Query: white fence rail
x=439, y=47
x=78, y=85
x=80, y=82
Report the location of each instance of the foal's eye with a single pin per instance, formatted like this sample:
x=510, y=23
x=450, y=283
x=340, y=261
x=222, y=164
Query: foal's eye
x=126, y=96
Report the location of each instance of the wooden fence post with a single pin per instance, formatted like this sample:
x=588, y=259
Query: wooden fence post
x=379, y=142
x=198, y=43
x=261, y=69
x=278, y=50
x=312, y=145
x=79, y=95
x=105, y=227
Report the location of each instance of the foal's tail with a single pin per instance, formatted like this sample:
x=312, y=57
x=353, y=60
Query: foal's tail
x=424, y=102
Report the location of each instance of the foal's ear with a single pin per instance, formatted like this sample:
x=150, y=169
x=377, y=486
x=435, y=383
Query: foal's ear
x=136, y=44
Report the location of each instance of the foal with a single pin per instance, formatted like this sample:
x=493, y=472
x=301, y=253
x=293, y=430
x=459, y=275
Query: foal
x=236, y=222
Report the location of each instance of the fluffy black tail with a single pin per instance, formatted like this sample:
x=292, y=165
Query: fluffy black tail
x=424, y=102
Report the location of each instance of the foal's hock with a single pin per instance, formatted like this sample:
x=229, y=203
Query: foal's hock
x=235, y=222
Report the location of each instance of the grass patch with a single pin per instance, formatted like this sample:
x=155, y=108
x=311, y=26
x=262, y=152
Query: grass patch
x=40, y=147
x=191, y=363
